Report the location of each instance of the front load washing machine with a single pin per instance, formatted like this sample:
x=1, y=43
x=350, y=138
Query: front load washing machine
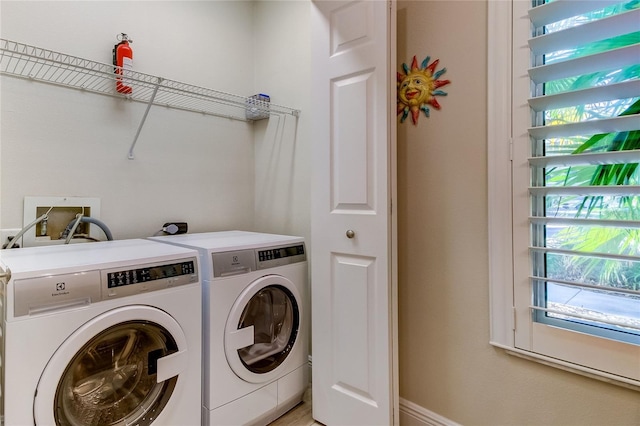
x=255, y=311
x=104, y=333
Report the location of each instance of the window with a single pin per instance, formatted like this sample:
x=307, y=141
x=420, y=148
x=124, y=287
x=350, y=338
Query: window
x=564, y=183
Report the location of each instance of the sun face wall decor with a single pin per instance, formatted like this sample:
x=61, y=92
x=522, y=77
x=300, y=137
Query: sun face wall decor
x=418, y=88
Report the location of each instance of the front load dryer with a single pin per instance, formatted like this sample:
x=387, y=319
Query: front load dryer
x=104, y=333
x=256, y=318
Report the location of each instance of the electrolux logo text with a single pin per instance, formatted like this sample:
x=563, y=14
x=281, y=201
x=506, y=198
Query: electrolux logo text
x=60, y=289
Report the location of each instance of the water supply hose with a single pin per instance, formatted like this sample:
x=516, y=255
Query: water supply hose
x=68, y=232
x=71, y=227
x=100, y=224
x=25, y=229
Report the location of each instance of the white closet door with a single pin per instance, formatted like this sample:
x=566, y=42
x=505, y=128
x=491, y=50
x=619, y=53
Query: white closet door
x=353, y=233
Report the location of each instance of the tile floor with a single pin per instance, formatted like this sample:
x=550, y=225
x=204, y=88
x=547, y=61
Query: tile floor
x=300, y=415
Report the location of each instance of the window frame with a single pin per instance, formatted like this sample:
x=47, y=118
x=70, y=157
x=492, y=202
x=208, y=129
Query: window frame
x=508, y=117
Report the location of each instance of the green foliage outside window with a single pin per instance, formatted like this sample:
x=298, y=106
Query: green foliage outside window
x=618, y=240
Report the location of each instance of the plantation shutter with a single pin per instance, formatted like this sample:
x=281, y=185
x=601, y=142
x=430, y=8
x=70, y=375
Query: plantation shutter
x=585, y=149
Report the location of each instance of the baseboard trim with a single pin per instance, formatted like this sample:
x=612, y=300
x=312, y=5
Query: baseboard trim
x=412, y=414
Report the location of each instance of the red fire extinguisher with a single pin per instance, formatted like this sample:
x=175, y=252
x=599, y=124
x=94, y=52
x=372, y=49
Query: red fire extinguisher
x=123, y=58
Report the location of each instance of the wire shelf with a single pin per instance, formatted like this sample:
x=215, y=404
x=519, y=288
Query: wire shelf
x=34, y=63
x=47, y=66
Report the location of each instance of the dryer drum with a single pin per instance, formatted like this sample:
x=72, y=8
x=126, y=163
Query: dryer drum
x=112, y=380
x=274, y=314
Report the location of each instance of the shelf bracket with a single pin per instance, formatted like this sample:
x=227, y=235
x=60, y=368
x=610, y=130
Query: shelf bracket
x=144, y=117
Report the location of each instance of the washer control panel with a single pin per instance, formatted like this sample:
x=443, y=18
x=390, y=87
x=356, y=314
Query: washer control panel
x=149, y=273
x=48, y=293
x=122, y=282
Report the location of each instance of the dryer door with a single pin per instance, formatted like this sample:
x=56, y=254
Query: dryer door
x=119, y=368
x=262, y=328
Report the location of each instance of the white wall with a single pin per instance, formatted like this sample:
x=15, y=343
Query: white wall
x=190, y=167
x=282, y=146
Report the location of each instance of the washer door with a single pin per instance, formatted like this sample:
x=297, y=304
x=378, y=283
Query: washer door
x=262, y=329
x=119, y=368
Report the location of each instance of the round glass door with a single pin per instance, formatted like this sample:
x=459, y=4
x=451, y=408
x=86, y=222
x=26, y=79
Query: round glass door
x=262, y=329
x=112, y=379
x=273, y=314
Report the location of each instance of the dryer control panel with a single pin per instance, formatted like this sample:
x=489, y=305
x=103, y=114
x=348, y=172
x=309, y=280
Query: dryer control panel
x=244, y=261
x=278, y=256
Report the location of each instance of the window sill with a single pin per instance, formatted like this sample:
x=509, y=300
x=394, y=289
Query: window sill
x=572, y=368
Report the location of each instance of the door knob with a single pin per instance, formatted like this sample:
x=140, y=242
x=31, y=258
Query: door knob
x=350, y=233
